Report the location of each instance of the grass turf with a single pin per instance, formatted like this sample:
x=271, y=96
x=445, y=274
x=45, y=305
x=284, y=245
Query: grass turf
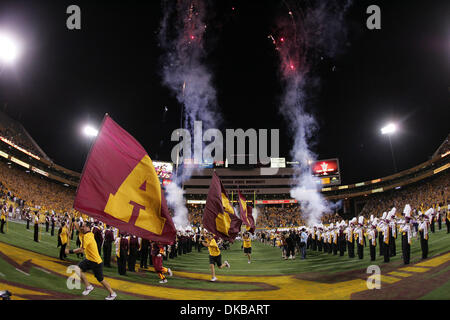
x=19, y=236
x=266, y=260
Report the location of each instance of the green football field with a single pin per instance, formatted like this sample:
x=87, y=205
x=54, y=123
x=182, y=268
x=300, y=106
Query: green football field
x=191, y=271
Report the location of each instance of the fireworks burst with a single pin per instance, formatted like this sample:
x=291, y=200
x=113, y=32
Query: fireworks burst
x=300, y=34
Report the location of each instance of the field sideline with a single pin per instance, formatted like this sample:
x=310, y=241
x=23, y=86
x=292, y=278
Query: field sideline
x=32, y=271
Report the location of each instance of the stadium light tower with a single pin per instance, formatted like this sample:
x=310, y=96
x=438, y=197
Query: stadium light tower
x=388, y=130
x=9, y=49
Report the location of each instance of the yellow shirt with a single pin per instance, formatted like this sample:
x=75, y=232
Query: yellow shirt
x=90, y=248
x=63, y=235
x=247, y=243
x=213, y=248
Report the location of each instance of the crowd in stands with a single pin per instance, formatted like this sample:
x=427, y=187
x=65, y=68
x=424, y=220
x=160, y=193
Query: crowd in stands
x=420, y=196
x=18, y=137
x=444, y=147
x=275, y=216
x=36, y=191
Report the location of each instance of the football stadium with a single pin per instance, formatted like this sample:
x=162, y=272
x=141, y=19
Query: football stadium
x=139, y=210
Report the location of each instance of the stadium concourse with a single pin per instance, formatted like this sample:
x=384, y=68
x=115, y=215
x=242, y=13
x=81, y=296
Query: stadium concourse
x=414, y=216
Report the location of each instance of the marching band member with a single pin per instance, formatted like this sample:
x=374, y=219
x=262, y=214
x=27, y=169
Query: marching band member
x=36, y=226
x=380, y=234
x=423, y=230
x=335, y=235
x=107, y=245
x=439, y=217
x=98, y=236
x=432, y=217
x=359, y=231
x=447, y=220
x=406, y=231
x=385, y=230
x=121, y=244
x=349, y=238
x=330, y=238
x=392, y=232
x=325, y=240
x=314, y=238
x=133, y=247
x=341, y=239
x=319, y=238
x=28, y=218
x=372, y=235
x=53, y=221
x=47, y=222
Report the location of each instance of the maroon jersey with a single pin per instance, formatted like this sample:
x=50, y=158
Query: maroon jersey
x=109, y=236
x=124, y=243
x=134, y=243
x=97, y=234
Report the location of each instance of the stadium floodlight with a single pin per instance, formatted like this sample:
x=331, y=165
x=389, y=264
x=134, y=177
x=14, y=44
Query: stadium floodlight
x=389, y=129
x=9, y=48
x=90, y=131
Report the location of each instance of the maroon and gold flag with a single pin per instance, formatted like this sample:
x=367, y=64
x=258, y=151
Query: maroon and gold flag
x=246, y=213
x=120, y=187
x=219, y=217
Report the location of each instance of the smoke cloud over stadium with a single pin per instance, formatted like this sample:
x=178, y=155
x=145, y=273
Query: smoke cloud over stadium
x=181, y=36
x=304, y=36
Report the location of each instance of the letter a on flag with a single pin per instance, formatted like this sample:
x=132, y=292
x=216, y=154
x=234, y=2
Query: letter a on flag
x=246, y=213
x=219, y=217
x=120, y=187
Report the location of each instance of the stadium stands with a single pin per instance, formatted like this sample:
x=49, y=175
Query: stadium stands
x=36, y=191
x=17, y=134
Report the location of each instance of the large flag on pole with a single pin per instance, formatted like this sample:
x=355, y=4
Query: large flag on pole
x=219, y=217
x=246, y=213
x=120, y=187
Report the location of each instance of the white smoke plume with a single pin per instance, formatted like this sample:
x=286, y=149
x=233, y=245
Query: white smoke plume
x=302, y=35
x=181, y=37
x=175, y=200
x=255, y=213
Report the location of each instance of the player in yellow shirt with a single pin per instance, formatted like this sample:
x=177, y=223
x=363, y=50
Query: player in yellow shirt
x=247, y=246
x=64, y=237
x=2, y=220
x=92, y=260
x=214, y=255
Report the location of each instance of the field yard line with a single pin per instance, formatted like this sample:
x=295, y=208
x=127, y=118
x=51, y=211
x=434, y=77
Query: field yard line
x=1, y=274
x=43, y=270
x=27, y=274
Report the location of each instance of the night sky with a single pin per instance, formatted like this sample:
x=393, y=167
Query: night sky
x=66, y=78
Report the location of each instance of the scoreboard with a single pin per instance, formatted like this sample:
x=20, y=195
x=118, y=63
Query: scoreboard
x=327, y=170
x=164, y=170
